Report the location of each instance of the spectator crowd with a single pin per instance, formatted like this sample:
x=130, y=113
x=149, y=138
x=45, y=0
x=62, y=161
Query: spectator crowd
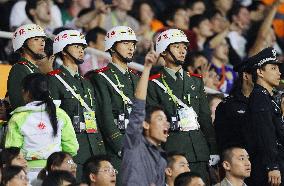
x=205, y=109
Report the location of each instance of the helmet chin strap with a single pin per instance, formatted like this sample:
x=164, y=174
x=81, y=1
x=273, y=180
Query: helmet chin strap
x=77, y=61
x=35, y=55
x=124, y=59
x=176, y=61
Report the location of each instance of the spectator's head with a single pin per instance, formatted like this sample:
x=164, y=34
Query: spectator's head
x=29, y=40
x=221, y=52
x=266, y=68
x=214, y=100
x=39, y=11
x=176, y=164
x=143, y=11
x=239, y=16
x=196, y=60
x=13, y=156
x=195, y=7
x=156, y=125
x=14, y=176
x=120, y=42
x=201, y=26
x=235, y=161
x=257, y=10
x=59, y=178
x=46, y=63
x=123, y=5
x=176, y=17
x=96, y=38
x=223, y=5
x=171, y=45
x=98, y=171
x=218, y=22
x=189, y=179
x=58, y=161
x=69, y=45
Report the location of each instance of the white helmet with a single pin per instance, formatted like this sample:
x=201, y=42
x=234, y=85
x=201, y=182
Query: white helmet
x=168, y=37
x=25, y=32
x=67, y=37
x=119, y=33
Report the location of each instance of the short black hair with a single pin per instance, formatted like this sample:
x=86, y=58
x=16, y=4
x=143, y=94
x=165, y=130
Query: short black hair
x=84, y=11
x=92, y=34
x=235, y=10
x=171, y=155
x=10, y=172
x=185, y=178
x=196, y=20
x=31, y=4
x=227, y=152
x=150, y=110
x=56, y=178
x=8, y=154
x=92, y=165
x=190, y=58
x=169, y=13
x=48, y=48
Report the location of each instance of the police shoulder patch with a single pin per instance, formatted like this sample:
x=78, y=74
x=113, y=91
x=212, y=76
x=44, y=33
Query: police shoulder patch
x=54, y=72
x=102, y=69
x=155, y=76
x=194, y=75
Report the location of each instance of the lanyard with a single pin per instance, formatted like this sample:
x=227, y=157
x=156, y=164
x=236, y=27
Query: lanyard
x=169, y=91
x=77, y=96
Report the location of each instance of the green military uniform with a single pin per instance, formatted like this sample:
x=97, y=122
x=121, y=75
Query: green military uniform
x=18, y=72
x=110, y=105
x=196, y=144
x=89, y=144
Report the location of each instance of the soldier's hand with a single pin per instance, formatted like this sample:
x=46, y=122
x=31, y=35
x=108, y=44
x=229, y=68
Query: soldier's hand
x=274, y=178
x=151, y=57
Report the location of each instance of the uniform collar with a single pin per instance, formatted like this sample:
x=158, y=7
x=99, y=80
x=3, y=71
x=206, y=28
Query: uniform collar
x=30, y=63
x=73, y=73
x=263, y=90
x=230, y=184
x=172, y=73
x=120, y=68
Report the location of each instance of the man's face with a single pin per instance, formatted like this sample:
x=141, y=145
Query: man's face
x=181, y=19
x=43, y=11
x=180, y=165
x=126, y=48
x=205, y=28
x=243, y=18
x=179, y=50
x=270, y=74
x=240, y=166
x=218, y=23
x=158, y=127
x=76, y=51
x=198, y=8
x=36, y=44
x=106, y=175
x=221, y=52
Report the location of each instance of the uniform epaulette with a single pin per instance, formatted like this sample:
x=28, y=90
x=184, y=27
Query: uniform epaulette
x=23, y=63
x=102, y=69
x=54, y=72
x=195, y=75
x=155, y=76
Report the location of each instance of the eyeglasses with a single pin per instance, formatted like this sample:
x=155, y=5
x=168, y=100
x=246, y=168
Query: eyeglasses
x=108, y=170
x=71, y=163
x=22, y=177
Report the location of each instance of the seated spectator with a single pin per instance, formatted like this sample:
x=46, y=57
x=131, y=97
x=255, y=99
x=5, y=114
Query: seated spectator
x=59, y=178
x=176, y=164
x=176, y=17
x=98, y=171
x=14, y=176
x=201, y=26
x=220, y=61
x=39, y=128
x=143, y=136
x=13, y=156
x=237, y=166
x=58, y=161
x=214, y=100
x=189, y=179
x=39, y=12
x=95, y=38
x=18, y=14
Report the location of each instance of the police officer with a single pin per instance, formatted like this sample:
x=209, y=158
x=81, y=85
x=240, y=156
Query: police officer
x=115, y=86
x=231, y=114
x=29, y=41
x=185, y=103
x=76, y=95
x=265, y=124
